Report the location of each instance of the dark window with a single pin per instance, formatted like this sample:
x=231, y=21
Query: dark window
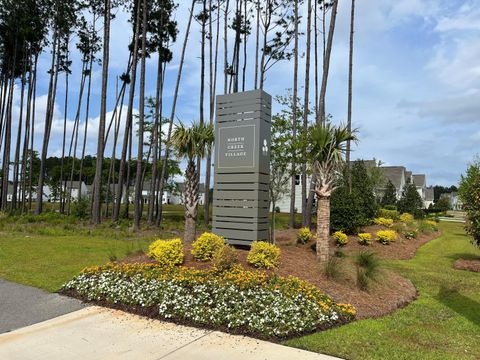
x=297, y=179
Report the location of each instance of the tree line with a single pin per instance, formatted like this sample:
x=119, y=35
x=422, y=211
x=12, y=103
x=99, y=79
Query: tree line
x=55, y=29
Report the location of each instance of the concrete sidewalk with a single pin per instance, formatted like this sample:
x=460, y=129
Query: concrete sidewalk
x=22, y=305
x=100, y=333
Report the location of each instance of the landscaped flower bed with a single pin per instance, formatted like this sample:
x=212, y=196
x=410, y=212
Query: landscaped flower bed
x=251, y=302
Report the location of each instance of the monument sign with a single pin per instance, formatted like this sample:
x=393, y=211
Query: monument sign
x=242, y=166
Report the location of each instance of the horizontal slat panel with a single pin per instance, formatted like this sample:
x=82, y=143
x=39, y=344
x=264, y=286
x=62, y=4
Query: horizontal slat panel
x=234, y=194
x=242, y=234
x=246, y=177
x=241, y=186
x=254, y=226
x=240, y=203
x=248, y=212
x=239, y=96
x=262, y=115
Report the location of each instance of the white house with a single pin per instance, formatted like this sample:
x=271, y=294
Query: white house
x=429, y=195
x=176, y=196
x=74, y=188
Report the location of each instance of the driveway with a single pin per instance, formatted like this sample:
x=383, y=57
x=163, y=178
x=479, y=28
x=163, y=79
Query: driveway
x=100, y=333
x=22, y=305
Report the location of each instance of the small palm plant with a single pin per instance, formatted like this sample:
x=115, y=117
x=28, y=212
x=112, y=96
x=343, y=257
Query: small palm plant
x=191, y=143
x=327, y=145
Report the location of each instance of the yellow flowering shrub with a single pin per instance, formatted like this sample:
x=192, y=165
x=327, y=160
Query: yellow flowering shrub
x=383, y=221
x=364, y=238
x=225, y=258
x=205, y=247
x=406, y=218
x=166, y=252
x=428, y=226
x=387, y=213
x=385, y=237
x=263, y=255
x=304, y=235
x=340, y=238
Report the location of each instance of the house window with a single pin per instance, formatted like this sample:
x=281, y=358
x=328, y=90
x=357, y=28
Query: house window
x=297, y=179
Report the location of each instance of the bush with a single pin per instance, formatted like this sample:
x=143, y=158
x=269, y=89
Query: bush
x=225, y=258
x=205, y=247
x=469, y=193
x=428, y=226
x=383, y=221
x=410, y=234
x=388, y=214
x=364, y=238
x=304, y=235
x=340, y=238
x=263, y=255
x=385, y=237
x=167, y=252
x=406, y=218
x=390, y=207
x=252, y=302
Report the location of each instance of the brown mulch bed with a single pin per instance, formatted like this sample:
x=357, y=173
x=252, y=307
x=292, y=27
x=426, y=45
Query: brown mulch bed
x=387, y=293
x=400, y=249
x=467, y=264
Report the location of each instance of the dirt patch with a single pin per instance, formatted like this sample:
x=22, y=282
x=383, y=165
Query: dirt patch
x=467, y=264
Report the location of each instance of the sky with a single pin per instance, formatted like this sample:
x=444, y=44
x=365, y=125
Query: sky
x=416, y=83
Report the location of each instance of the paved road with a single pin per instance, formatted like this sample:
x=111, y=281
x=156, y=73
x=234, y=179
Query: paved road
x=99, y=333
x=22, y=305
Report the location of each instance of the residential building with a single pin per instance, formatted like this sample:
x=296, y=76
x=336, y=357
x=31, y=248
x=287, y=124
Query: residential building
x=428, y=197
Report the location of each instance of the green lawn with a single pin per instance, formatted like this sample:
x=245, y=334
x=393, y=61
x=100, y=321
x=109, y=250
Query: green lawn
x=443, y=323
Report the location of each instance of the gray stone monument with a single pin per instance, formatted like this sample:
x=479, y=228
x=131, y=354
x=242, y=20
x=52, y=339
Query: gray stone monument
x=242, y=166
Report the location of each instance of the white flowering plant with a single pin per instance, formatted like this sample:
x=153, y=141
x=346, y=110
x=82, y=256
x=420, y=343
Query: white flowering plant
x=237, y=300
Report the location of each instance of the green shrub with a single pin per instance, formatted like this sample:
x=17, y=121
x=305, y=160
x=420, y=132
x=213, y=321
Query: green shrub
x=304, y=235
x=427, y=226
x=340, y=238
x=469, y=193
x=406, y=218
x=383, y=222
x=263, y=255
x=362, y=279
x=388, y=214
x=410, y=234
x=385, y=237
x=167, y=252
x=399, y=227
x=364, y=238
x=225, y=258
x=390, y=207
x=205, y=247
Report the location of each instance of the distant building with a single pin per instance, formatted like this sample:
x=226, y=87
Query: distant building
x=74, y=189
x=429, y=196
x=455, y=202
x=397, y=176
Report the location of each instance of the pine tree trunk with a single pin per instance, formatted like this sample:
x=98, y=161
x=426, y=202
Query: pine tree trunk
x=257, y=42
x=225, y=48
x=350, y=75
x=128, y=122
x=306, y=219
x=172, y=114
x=323, y=229
x=141, y=118
x=326, y=63
x=97, y=183
x=294, y=118
x=32, y=134
x=65, y=109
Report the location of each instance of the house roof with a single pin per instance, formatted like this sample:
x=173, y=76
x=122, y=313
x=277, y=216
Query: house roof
x=408, y=175
x=429, y=195
x=394, y=174
x=419, y=180
x=73, y=184
x=369, y=164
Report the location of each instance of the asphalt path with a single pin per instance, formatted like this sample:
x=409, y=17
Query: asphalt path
x=22, y=305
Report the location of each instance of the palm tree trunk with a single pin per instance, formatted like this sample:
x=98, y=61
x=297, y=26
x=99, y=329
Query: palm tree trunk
x=323, y=229
x=190, y=201
x=97, y=183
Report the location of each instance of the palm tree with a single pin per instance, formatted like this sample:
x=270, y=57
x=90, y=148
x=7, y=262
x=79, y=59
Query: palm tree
x=192, y=143
x=327, y=147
